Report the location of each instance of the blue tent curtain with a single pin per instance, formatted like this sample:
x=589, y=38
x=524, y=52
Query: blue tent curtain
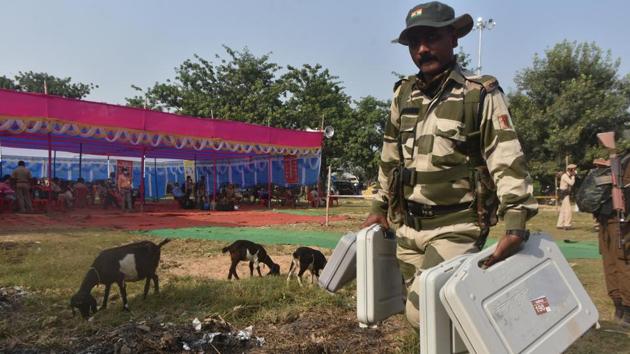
x=244, y=173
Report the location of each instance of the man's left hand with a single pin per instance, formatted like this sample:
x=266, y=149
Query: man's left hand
x=507, y=246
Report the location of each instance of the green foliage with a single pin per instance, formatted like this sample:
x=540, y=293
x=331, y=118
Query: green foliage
x=7, y=83
x=563, y=100
x=35, y=82
x=463, y=59
x=315, y=99
x=364, y=144
x=240, y=88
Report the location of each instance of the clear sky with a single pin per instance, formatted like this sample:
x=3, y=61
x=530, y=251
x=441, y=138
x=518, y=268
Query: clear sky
x=118, y=43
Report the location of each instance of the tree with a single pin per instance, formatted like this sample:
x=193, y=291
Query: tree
x=241, y=88
x=364, y=144
x=563, y=100
x=7, y=83
x=463, y=59
x=314, y=97
x=35, y=82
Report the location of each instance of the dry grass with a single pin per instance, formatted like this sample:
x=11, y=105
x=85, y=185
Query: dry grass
x=50, y=266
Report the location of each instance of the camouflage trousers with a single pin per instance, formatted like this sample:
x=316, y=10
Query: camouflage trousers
x=420, y=250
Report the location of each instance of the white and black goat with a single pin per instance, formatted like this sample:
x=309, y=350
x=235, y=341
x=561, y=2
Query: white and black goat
x=306, y=258
x=132, y=262
x=243, y=250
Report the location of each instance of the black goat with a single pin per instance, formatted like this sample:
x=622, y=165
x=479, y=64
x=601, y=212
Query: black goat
x=243, y=250
x=306, y=258
x=132, y=262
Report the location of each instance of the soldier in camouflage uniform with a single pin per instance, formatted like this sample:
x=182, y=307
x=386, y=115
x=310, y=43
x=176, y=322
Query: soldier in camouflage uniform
x=446, y=127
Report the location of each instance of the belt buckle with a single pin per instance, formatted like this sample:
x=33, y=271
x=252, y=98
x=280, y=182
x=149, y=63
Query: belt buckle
x=427, y=211
x=412, y=221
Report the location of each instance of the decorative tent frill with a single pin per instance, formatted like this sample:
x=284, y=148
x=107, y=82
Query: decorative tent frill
x=97, y=128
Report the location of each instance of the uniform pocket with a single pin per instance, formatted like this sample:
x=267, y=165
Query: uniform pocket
x=448, y=144
x=408, y=135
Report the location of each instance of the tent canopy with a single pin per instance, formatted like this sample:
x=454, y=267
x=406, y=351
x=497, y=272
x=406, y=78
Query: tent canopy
x=29, y=120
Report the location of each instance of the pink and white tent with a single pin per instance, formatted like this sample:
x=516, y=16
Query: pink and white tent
x=39, y=121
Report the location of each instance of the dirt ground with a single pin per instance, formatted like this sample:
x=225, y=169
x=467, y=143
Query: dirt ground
x=216, y=266
x=154, y=217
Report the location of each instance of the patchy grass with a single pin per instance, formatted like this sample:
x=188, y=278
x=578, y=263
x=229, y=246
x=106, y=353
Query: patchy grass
x=51, y=265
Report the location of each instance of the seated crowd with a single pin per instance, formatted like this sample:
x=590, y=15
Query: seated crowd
x=230, y=196
x=22, y=193
x=63, y=194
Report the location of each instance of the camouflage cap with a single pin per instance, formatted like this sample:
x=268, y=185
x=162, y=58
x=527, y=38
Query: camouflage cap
x=435, y=14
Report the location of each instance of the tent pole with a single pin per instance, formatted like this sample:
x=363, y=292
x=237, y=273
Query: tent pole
x=328, y=194
x=195, y=166
x=1, y=158
x=155, y=179
x=142, y=182
x=196, y=179
x=54, y=167
x=49, y=204
x=269, y=176
x=80, y=159
x=214, y=180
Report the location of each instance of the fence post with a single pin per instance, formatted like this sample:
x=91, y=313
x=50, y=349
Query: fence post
x=328, y=195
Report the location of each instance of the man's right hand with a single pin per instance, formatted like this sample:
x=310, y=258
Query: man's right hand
x=376, y=219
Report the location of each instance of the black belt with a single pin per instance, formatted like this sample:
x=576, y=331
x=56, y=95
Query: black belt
x=427, y=211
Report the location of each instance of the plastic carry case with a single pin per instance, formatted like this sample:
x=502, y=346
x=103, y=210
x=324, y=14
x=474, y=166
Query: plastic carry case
x=437, y=333
x=341, y=268
x=532, y=302
x=380, y=292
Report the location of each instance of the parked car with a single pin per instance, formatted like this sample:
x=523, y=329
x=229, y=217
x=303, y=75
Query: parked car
x=344, y=187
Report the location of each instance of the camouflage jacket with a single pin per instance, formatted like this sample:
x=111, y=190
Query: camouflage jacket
x=432, y=134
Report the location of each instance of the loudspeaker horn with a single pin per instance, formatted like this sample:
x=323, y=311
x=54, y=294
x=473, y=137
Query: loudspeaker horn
x=329, y=132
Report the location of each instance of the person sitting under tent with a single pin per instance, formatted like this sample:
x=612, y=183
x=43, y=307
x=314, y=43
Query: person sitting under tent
x=66, y=198
x=7, y=194
x=232, y=194
x=200, y=191
x=111, y=194
x=81, y=192
x=54, y=188
x=179, y=195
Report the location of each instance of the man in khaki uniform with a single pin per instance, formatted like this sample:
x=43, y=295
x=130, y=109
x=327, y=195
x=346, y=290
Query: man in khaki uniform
x=614, y=246
x=567, y=180
x=22, y=177
x=445, y=124
x=125, y=189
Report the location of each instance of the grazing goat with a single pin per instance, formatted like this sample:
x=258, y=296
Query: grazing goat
x=243, y=250
x=132, y=262
x=306, y=258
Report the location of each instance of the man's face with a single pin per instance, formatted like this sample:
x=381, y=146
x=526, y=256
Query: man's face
x=431, y=48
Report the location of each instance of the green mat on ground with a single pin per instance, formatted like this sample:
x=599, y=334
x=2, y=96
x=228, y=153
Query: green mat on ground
x=307, y=212
x=258, y=235
x=574, y=250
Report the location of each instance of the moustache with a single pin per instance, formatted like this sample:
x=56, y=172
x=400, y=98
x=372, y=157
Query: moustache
x=425, y=58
